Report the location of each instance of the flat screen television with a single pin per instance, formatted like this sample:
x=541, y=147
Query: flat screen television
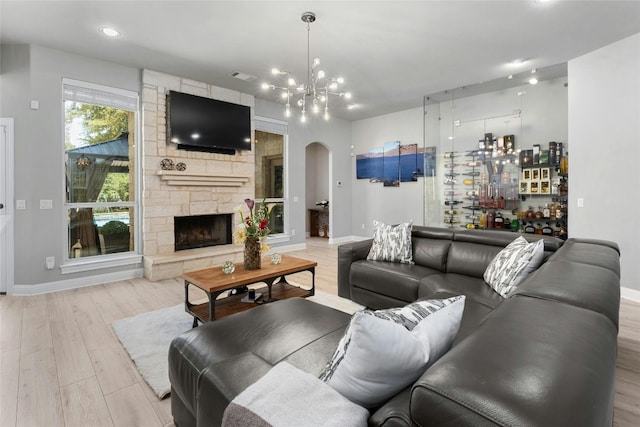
x=204, y=124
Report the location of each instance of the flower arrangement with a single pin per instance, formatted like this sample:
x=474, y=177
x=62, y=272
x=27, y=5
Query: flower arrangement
x=254, y=224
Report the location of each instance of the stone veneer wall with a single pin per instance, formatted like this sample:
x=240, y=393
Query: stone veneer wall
x=161, y=201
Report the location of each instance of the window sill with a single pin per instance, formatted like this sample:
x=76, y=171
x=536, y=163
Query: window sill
x=100, y=262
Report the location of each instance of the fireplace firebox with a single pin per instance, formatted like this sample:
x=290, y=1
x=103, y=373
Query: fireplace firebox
x=199, y=231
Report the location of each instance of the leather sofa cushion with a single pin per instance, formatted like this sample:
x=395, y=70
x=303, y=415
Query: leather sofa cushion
x=501, y=238
x=459, y=284
x=373, y=300
x=531, y=362
x=399, y=281
x=431, y=253
x=474, y=314
x=583, y=285
x=470, y=259
x=584, y=251
x=271, y=333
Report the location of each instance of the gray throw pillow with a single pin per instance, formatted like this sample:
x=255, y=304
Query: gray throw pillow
x=384, y=351
x=391, y=243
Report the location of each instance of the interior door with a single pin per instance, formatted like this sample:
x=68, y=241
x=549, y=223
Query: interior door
x=6, y=205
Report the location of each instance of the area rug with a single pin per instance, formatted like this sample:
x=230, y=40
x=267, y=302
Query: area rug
x=146, y=337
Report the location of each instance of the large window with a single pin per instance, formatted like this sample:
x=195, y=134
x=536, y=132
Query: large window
x=270, y=171
x=100, y=134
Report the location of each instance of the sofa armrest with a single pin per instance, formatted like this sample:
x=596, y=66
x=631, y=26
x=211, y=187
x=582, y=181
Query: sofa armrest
x=347, y=254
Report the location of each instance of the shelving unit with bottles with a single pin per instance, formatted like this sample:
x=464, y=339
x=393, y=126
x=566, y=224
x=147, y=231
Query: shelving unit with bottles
x=506, y=190
x=544, y=181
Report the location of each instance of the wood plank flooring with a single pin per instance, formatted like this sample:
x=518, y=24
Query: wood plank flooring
x=62, y=365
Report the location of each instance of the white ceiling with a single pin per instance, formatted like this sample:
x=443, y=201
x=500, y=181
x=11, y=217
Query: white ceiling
x=390, y=53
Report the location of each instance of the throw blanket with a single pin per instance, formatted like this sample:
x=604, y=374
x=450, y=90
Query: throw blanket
x=287, y=396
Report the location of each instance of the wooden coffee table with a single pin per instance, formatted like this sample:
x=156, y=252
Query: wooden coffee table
x=214, y=282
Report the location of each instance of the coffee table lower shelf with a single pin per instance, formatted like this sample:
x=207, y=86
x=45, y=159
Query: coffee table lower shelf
x=234, y=304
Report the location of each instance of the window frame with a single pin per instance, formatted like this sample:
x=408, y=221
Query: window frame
x=130, y=101
x=278, y=127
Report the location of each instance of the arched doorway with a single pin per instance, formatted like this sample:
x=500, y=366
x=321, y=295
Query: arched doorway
x=318, y=178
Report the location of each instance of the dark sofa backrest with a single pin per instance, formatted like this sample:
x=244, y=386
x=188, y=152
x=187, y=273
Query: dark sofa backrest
x=431, y=246
x=472, y=250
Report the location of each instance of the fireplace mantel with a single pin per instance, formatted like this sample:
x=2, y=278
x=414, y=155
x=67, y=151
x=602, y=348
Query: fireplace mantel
x=201, y=179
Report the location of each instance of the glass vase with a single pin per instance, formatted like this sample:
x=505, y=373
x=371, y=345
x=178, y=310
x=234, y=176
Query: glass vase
x=252, y=254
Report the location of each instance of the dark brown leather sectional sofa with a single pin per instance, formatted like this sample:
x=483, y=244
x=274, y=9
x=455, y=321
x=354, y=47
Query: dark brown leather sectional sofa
x=543, y=356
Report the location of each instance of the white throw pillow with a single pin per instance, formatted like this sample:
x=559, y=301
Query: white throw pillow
x=391, y=243
x=384, y=351
x=512, y=264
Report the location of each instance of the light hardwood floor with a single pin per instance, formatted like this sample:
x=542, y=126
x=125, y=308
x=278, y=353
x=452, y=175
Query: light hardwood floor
x=61, y=364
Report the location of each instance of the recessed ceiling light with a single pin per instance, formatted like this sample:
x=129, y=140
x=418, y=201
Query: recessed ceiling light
x=518, y=61
x=111, y=32
x=533, y=81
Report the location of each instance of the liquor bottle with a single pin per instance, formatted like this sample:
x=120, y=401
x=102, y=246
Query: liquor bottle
x=482, y=222
x=530, y=213
x=536, y=154
x=507, y=224
x=498, y=221
x=491, y=219
x=529, y=228
x=538, y=229
x=546, y=212
x=539, y=214
x=515, y=225
x=547, y=230
x=559, y=151
x=564, y=164
x=553, y=160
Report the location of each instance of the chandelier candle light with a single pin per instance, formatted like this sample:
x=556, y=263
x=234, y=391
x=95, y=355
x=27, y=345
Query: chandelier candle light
x=318, y=87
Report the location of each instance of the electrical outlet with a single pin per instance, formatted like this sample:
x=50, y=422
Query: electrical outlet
x=293, y=232
x=363, y=227
x=46, y=204
x=21, y=204
x=50, y=261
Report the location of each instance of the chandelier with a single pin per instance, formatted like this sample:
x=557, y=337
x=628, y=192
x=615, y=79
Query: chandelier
x=315, y=92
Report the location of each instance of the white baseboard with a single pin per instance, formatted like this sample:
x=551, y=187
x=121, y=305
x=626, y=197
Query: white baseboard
x=80, y=282
x=346, y=239
x=630, y=294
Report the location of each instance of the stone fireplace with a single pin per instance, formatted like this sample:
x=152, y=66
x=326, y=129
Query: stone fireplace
x=198, y=185
x=201, y=231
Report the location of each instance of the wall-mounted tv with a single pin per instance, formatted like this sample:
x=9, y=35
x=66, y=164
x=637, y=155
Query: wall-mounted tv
x=204, y=124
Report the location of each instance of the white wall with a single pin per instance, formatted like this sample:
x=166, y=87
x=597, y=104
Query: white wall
x=371, y=201
x=31, y=72
x=604, y=129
